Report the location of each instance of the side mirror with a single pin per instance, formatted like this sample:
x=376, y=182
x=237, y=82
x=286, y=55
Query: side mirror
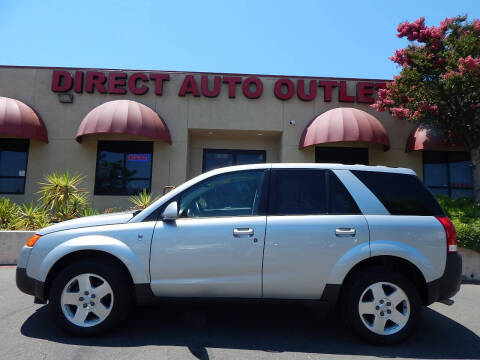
x=171, y=212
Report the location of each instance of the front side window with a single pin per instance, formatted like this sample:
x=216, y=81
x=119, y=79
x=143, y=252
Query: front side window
x=448, y=173
x=309, y=192
x=341, y=155
x=230, y=194
x=217, y=158
x=13, y=165
x=123, y=167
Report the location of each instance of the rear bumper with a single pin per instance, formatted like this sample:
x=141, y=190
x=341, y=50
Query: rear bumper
x=29, y=285
x=449, y=284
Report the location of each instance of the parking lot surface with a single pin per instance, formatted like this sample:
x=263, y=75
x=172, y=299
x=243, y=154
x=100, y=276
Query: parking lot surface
x=231, y=331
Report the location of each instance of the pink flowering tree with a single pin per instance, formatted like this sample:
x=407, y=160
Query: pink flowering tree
x=439, y=82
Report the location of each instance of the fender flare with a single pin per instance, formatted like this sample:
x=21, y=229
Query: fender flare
x=380, y=248
x=351, y=258
x=99, y=243
x=408, y=253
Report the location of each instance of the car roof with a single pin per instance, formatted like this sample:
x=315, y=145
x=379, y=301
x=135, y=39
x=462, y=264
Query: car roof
x=331, y=166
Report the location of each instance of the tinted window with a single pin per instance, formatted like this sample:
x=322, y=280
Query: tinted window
x=13, y=165
x=448, y=173
x=123, y=167
x=401, y=194
x=341, y=155
x=339, y=199
x=231, y=194
x=217, y=158
x=299, y=192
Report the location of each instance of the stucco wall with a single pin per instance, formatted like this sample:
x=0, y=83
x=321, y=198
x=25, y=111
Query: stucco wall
x=235, y=124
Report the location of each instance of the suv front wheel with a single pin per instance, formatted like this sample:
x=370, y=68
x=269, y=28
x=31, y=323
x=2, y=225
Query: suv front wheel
x=382, y=306
x=89, y=297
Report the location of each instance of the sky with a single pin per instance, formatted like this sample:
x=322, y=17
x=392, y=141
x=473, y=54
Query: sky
x=349, y=38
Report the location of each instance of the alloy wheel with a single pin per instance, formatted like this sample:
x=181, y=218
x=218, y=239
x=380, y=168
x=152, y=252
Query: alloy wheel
x=384, y=308
x=87, y=300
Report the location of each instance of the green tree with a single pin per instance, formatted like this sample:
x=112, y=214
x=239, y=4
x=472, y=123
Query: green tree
x=439, y=82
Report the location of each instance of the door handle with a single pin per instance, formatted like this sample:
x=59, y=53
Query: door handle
x=237, y=232
x=345, y=232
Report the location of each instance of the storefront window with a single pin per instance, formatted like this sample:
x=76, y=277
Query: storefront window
x=341, y=155
x=448, y=173
x=13, y=165
x=123, y=167
x=216, y=158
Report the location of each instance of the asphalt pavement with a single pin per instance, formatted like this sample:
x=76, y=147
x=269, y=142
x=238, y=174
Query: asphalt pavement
x=231, y=331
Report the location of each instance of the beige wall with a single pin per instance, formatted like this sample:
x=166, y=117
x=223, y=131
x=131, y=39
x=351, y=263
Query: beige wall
x=195, y=123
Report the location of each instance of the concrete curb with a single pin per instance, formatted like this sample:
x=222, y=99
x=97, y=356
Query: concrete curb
x=11, y=242
x=471, y=264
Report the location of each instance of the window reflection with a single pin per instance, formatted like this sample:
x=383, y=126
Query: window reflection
x=13, y=165
x=448, y=173
x=123, y=167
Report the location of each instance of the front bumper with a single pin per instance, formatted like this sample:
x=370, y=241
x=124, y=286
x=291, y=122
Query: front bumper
x=30, y=285
x=449, y=284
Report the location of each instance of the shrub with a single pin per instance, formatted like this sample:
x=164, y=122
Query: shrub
x=9, y=212
x=61, y=195
x=32, y=217
x=465, y=215
x=142, y=200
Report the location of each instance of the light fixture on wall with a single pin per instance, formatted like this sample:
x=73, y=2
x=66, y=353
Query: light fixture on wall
x=65, y=98
x=292, y=122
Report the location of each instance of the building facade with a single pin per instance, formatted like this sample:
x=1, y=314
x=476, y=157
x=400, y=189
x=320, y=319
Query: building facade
x=129, y=130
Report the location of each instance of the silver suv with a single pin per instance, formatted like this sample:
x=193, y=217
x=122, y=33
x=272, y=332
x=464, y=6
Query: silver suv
x=371, y=240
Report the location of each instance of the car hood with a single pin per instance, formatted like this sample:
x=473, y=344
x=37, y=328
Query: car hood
x=87, y=221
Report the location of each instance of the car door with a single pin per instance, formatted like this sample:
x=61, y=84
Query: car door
x=215, y=246
x=312, y=222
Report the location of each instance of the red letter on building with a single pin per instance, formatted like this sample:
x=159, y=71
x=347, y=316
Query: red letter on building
x=365, y=92
x=258, y=87
x=117, y=79
x=301, y=90
x=96, y=80
x=189, y=86
x=78, y=85
x=327, y=92
x=61, y=81
x=277, y=90
x=342, y=93
x=232, y=81
x=132, y=83
x=216, y=86
x=159, y=79
x=380, y=85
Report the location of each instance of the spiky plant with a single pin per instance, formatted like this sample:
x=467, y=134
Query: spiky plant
x=8, y=214
x=32, y=217
x=61, y=195
x=142, y=200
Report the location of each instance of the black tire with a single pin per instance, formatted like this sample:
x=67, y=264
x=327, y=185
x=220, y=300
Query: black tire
x=356, y=287
x=116, y=278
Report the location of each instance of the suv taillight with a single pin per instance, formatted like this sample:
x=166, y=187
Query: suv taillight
x=450, y=233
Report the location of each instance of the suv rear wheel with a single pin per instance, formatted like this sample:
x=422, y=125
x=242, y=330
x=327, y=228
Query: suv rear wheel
x=382, y=306
x=89, y=297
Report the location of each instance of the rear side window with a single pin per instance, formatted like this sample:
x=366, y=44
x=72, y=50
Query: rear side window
x=401, y=194
x=309, y=192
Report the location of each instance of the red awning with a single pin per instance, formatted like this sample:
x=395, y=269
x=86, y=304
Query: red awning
x=427, y=138
x=344, y=124
x=20, y=120
x=124, y=117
